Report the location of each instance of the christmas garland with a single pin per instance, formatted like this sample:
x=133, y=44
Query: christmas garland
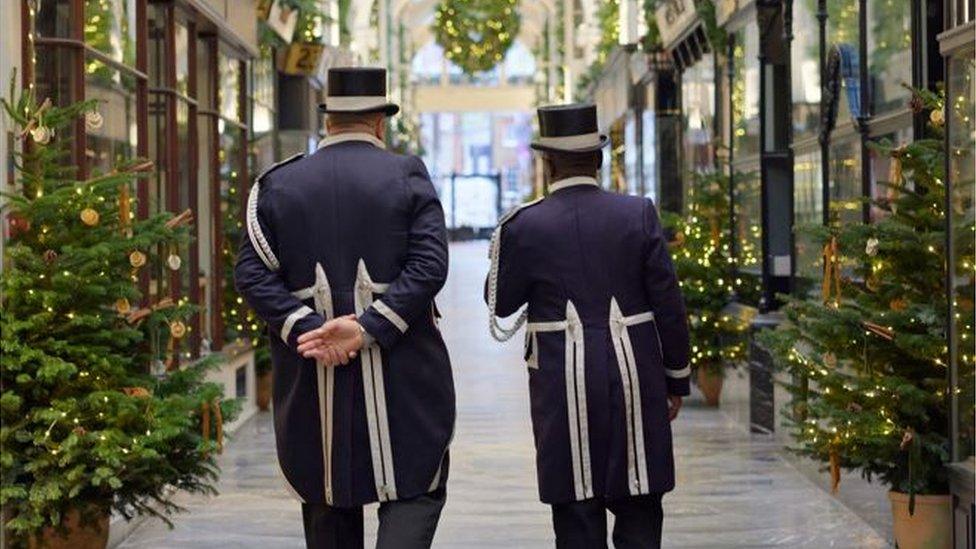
x=476, y=34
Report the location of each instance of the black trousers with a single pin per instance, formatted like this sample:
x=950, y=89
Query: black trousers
x=404, y=524
x=583, y=524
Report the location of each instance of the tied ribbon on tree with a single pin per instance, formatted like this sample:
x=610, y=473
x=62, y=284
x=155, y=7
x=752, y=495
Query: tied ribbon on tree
x=913, y=445
x=830, y=287
x=205, y=410
x=895, y=173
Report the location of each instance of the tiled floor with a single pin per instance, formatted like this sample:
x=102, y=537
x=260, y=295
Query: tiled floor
x=734, y=489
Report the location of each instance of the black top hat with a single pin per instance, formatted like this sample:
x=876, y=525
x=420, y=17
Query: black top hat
x=569, y=128
x=357, y=90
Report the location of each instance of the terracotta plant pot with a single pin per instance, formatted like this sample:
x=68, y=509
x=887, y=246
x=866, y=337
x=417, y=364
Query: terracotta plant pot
x=78, y=534
x=710, y=384
x=262, y=391
x=931, y=525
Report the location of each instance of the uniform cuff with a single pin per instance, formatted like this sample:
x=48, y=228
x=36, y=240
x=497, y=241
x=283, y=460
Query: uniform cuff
x=379, y=328
x=304, y=324
x=678, y=381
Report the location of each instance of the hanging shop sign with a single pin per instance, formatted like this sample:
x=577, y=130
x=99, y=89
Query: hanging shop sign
x=282, y=20
x=675, y=19
x=303, y=59
x=682, y=31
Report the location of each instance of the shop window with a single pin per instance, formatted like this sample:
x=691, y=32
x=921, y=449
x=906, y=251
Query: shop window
x=229, y=87
x=698, y=110
x=889, y=53
x=805, y=59
x=110, y=29
x=842, y=31
x=237, y=318
x=845, y=181
x=881, y=170
x=264, y=147
x=182, y=58
x=961, y=98
x=54, y=73
x=116, y=140
x=745, y=93
x=649, y=144
x=808, y=211
x=748, y=232
x=53, y=19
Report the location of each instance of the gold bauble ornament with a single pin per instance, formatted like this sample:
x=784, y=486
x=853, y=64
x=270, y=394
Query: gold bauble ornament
x=937, y=118
x=122, y=306
x=177, y=329
x=898, y=304
x=174, y=262
x=137, y=259
x=89, y=217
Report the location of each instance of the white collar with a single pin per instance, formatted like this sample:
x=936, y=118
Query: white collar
x=352, y=136
x=572, y=182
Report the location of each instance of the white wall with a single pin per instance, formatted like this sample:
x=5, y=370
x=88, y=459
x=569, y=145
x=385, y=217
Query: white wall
x=9, y=60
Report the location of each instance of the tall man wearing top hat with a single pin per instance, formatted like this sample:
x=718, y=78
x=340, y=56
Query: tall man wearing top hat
x=346, y=249
x=606, y=339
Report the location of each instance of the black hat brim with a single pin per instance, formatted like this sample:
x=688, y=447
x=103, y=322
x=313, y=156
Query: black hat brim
x=604, y=141
x=388, y=109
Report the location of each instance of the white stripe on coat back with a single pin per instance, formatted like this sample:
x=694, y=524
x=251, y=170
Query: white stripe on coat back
x=627, y=364
x=374, y=394
x=579, y=425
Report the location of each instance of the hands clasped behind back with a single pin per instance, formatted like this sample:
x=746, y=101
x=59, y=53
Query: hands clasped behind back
x=334, y=343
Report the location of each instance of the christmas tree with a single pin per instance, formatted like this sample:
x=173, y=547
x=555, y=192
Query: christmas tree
x=870, y=352
x=86, y=426
x=703, y=263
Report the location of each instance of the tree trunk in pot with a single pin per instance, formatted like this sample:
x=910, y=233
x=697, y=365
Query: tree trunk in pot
x=263, y=391
x=929, y=528
x=78, y=533
x=710, y=384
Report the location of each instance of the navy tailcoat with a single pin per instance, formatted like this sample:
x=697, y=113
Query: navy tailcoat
x=606, y=338
x=353, y=229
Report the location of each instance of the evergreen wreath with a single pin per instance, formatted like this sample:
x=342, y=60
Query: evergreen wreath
x=476, y=34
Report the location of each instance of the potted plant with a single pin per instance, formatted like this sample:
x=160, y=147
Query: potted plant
x=868, y=354
x=86, y=429
x=701, y=255
x=262, y=371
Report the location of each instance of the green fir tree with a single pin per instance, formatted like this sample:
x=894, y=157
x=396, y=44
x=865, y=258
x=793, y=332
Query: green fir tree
x=86, y=426
x=703, y=263
x=869, y=354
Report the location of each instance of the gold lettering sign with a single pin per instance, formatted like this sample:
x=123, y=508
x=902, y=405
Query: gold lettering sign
x=303, y=59
x=674, y=18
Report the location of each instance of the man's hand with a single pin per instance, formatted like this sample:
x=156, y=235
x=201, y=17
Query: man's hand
x=335, y=342
x=674, y=406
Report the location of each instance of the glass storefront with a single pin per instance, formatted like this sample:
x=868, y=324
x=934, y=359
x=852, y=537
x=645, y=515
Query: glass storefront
x=808, y=211
x=158, y=111
x=845, y=180
x=745, y=92
x=843, y=32
x=805, y=71
x=889, y=54
x=698, y=112
x=961, y=99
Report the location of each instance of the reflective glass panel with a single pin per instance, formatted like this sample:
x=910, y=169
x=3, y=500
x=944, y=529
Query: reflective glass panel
x=745, y=93
x=889, y=53
x=962, y=173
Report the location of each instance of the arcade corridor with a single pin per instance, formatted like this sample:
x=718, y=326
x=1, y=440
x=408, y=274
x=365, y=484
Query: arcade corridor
x=734, y=490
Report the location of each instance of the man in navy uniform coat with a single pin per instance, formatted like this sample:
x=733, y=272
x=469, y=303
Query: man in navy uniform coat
x=606, y=339
x=345, y=252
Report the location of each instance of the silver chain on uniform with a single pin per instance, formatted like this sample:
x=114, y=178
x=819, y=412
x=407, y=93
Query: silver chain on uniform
x=499, y=332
